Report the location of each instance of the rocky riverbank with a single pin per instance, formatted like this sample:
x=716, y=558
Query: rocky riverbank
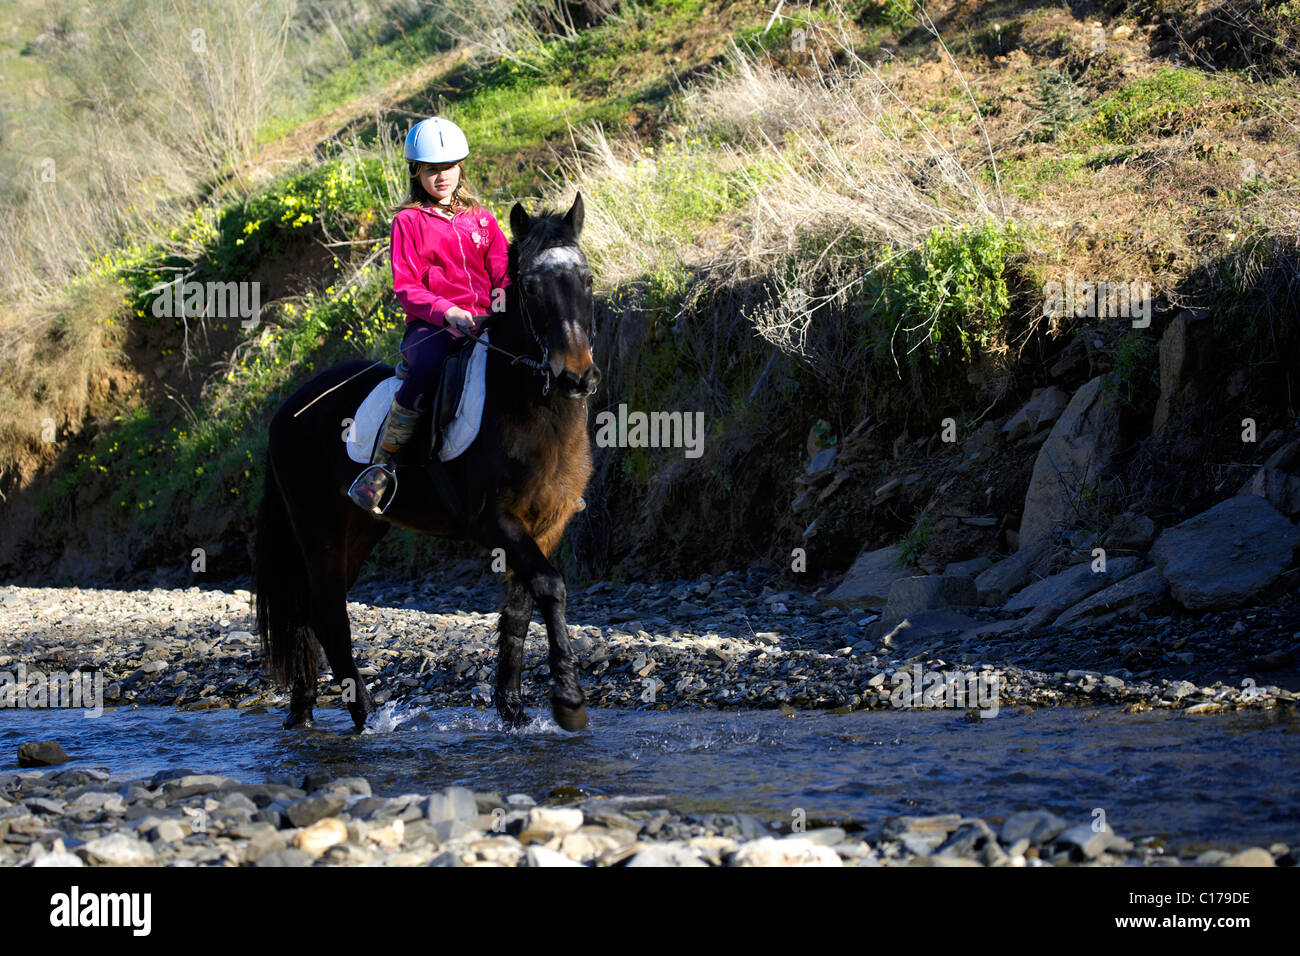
x=82, y=817
x=730, y=642
x=724, y=643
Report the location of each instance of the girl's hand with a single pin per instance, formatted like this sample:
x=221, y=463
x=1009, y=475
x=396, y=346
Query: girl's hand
x=458, y=318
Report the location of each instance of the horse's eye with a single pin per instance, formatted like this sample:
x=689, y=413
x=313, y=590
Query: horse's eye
x=587, y=283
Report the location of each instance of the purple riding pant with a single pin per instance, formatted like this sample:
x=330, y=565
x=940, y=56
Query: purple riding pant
x=425, y=347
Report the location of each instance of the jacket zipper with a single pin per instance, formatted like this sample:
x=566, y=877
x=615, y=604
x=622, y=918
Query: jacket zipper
x=463, y=266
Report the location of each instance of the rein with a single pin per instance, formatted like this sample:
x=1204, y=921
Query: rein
x=541, y=367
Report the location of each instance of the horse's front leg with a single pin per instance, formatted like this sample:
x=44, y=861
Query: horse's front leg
x=512, y=630
x=546, y=586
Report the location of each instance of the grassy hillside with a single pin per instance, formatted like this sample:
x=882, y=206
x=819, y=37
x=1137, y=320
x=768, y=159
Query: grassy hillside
x=833, y=226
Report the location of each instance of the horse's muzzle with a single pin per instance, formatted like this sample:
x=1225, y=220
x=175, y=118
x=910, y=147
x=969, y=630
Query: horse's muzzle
x=579, y=386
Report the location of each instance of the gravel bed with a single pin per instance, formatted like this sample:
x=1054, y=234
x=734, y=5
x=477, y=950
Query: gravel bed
x=84, y=817
x=730, y=642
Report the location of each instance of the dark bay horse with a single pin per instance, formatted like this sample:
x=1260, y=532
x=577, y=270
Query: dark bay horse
x=519, y=482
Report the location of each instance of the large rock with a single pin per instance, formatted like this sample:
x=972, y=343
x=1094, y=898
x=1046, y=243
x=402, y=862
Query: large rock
x=1278, y=488
x=1277, y=481
x=1010, y=574
x=907, y=596
x=968, y=569
x=1080, y=449
x=41, y=753
x=1185, y=351
x=1041, y=410
x=867, y=583
x=1047, y=598
x=1224, y=556
x=1140, y=592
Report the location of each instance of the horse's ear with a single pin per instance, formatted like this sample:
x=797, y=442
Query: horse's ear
x=574, y=216
x=520, y=223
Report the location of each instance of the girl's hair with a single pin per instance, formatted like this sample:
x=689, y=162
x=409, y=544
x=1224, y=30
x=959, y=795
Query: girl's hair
x=417, y=198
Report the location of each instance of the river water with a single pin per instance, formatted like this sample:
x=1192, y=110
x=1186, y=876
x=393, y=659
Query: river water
x=1224, y=781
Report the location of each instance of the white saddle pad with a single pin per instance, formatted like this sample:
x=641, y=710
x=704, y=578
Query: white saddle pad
x=368, y=421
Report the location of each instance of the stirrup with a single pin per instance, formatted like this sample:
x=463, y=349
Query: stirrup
x=364, y=478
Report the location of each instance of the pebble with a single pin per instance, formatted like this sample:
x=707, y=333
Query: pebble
x=128, y=829
x=792, y=851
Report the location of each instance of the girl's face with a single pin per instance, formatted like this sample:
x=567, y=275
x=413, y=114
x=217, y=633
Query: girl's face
x=440, y=181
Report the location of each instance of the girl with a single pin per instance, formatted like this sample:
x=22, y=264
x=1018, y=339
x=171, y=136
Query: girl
x=449, y=264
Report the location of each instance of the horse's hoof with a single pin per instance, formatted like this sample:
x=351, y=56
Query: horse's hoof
x=510, y=709
x=571, y=719
x=514, y=718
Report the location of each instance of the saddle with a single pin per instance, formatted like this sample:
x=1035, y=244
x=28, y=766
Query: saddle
x=446, y=399
x=449, y=426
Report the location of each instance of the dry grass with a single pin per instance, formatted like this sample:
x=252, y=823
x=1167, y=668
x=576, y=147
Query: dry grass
x=57, y=356
x=152, y=103
x=823, y=164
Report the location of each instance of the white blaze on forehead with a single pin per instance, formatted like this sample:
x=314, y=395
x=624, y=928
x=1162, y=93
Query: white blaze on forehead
x=557, y=257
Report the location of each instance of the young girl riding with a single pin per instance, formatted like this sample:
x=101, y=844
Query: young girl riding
x=449, y=265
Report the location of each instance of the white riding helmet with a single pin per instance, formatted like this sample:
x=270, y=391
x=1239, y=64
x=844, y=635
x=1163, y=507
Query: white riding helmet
x=436, y=140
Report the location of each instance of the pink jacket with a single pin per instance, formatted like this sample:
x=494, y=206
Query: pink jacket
x=439, y=263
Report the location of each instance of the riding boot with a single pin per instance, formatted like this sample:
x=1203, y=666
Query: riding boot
x=373, y=483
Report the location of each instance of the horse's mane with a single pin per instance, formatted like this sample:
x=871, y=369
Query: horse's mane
x=545, y=230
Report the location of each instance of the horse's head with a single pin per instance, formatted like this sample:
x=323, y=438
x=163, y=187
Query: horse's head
x=554, y=294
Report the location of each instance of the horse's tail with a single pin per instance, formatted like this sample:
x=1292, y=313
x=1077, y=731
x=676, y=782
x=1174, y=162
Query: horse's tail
x=289, y=650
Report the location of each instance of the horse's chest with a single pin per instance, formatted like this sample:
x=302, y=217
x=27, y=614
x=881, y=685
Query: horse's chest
x=547, y=470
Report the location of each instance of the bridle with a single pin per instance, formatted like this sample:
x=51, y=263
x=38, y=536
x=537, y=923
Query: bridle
x=543, y=366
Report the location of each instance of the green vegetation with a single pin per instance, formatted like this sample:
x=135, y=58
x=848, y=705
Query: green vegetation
x=1161, y=104
x=1060, y=100
x=1134, y=377
x=377, y=66
x=912, y=546
x=1255, y=313
x=948, y=297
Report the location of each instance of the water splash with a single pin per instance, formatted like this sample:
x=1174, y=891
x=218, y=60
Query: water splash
x=390, y=716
